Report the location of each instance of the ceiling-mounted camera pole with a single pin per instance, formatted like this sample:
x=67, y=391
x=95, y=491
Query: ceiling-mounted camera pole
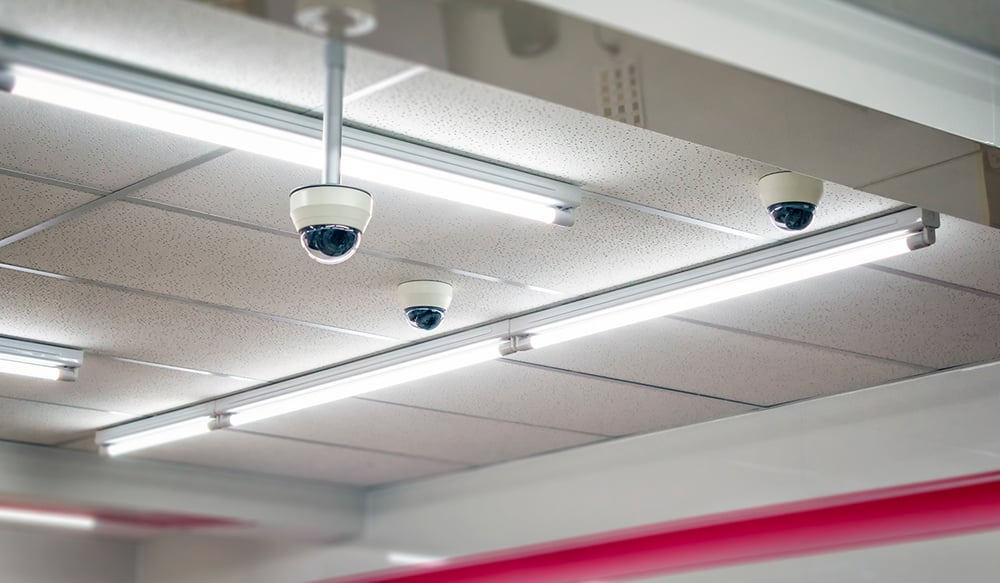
x=331, y=217
x=333, y=109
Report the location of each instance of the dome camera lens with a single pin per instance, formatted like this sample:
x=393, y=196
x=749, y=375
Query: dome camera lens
x=425, y=318
x=792, y=216
x=330, y=244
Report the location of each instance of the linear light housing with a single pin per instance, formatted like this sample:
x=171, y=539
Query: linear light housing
x=760, y=270
x=783, y=263
x=94, y=87
x=43, y=361
x=44, y=518
x=158, y=430
x=402, y=365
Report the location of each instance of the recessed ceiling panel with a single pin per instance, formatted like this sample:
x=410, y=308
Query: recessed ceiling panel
x=26, y=203
x=114, y=385
x=48, y=424
x=604, y=155
x=272, y=455
x=192, y=40
x=679, y=355
x=871, y=312
x=527, y=394
x=419, y=432
x=167, y=332
x=966, y=254
x=151, y=249
x=85, y=149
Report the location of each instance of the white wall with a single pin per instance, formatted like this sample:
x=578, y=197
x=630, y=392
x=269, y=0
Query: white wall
x=30, y=555
x=207, y=559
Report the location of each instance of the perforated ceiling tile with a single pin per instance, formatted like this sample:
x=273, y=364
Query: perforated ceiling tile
x=166, y=332
x=965, y=254
x=193, y=40
x=113, y=385
x=871, y=312
x=513, y=392
x=419, y=432
x=151, y=249
x=271, y=455
x=76, y=147
x=239, y=186
x=701, y=359
x=604, y=155
x=26, y=203
x=48, y=424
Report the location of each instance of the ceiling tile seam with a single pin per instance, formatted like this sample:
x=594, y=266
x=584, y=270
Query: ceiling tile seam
x=272, y=231
x=920, y=169
x=934, y=281
x=65, y=185
x=373, y=88
x=351, y=447
x=185, y=369
x=194, y=302
x=362, y=251
x=650, y=210
x=915, y=375
x=632, y=382
x=115, y=195
x=482, y=417
x=785, y=340
x=67, y=406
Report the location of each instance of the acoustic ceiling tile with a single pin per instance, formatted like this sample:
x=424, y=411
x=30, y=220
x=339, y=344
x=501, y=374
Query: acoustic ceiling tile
x=114, y=385
x=26, y=203
x=48, y=424
x=511, y=392
x=167, y=332
x=419, y=432
x=871, y=312
x=194, y=40
x=965, y=254
x=701, y=359
x=603, y=155
x=249, y=452
x=85, y=149
x=608, y=246
x=154, y=250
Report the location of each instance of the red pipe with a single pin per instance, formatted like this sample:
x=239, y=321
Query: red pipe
x=875, y=517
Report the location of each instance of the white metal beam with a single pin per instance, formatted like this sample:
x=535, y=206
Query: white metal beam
x=826, y=46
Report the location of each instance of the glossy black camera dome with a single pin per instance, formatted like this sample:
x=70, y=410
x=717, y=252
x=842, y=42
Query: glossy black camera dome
x=330, y=243
x=792, y=216
x=424, y=317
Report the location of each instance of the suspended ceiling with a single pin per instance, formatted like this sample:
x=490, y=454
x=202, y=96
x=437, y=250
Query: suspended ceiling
x=183, y=280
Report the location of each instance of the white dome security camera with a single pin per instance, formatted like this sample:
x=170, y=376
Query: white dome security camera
x=330, y=219
x=425, y=302
x=790, y=199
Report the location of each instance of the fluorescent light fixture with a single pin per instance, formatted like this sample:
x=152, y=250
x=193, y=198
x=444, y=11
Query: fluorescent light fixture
x=167, y=433
x=365, y=382
x=42, y=518
x=365, y=156
x=41, y=361
x=785, y=264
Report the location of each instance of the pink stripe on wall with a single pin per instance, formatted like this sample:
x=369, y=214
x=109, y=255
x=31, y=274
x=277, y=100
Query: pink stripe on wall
x=875, y=517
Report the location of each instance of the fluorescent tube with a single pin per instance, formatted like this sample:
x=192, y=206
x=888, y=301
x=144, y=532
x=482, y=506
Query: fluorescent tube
x=757, y=279
x=40, y=361
x=351, y=386
x=157, y=436
x=239, y=134
x=38, y=371
x=41, y=518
